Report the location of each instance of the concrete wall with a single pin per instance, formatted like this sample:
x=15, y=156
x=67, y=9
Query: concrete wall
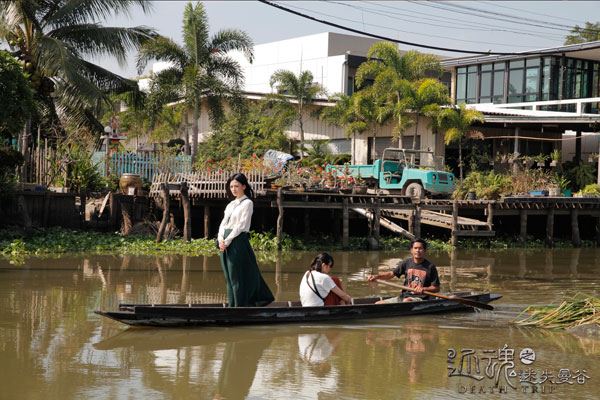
x=322, y=54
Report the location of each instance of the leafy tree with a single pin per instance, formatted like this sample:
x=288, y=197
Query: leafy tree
x=390, y=73
x=356, y=114
x=588, y=33
x=457, y=123
x=425, y=97
x=202, y=65
x=53, y=40
x=296, y=92
x=16, y=102
x=246, y=131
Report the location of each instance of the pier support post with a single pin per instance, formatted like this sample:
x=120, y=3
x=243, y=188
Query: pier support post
x=206, y=222
x=345, y=225
x=377, y=216
x=490, y=216
x=166, y=203
x=523, y=226
x=598, y=230
x=575, y=228
x=550, y=228
x=306, y=220
x=417, y=221
x=454, y=237
x=187, y=212
x=279, y=218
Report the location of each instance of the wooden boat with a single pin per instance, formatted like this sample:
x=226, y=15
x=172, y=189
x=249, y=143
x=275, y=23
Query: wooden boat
x=183, y=315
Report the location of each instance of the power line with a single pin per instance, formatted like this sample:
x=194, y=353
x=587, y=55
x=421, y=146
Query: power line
x=456, y=26
x=373, y=35
x=495, y=4
x=399, y=30
x=462, y=21
x=479, y=14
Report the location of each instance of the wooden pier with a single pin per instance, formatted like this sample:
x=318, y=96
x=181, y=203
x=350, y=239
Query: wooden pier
x=388, y=210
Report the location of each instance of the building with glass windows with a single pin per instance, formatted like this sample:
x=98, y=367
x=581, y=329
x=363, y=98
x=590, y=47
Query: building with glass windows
x=537, y=94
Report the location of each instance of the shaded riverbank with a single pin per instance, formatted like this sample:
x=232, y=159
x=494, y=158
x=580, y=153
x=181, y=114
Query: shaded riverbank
x=16, y=245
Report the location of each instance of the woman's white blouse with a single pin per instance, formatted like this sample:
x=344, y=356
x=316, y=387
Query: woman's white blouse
x=238, y=217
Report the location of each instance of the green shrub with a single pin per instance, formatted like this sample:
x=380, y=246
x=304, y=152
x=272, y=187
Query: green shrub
x=486, y=185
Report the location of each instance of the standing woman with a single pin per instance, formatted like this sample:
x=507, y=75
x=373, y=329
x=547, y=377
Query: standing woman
x=245, y=285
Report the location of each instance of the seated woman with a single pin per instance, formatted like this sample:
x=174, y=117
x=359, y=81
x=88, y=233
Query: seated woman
x=318, y=288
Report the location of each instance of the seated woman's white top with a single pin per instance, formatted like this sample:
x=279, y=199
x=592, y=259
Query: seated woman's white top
x=324, y=284
x=238, y=217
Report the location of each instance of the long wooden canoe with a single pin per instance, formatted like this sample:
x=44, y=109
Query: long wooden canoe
x=182, y=315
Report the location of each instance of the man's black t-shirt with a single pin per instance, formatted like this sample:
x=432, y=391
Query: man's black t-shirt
x=423, y=274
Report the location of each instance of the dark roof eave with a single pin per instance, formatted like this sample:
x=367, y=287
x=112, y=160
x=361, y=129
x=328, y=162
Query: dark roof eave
x=453, y=62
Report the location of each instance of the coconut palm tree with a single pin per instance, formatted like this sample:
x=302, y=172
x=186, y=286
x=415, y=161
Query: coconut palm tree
x=425, y=97
x=55, y=39
x=296, y=92
x=357, y=113
x=202, y=64
x=457, y=123
x=391, y=73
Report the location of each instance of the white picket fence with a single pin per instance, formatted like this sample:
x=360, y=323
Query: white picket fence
x=206, y=184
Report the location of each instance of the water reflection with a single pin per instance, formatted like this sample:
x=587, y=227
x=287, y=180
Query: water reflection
x=50, y=339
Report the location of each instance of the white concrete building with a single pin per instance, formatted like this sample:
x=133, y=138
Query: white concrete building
x=332, y=58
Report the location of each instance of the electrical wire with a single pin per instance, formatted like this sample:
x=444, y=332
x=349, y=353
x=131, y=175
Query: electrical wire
x=469, y=24
x=495, y=4
x=346, y=28
x=403, y=31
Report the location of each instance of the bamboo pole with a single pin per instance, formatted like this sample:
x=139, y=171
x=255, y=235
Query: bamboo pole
x=575, y=228
x=523, y=226
x=345, y=225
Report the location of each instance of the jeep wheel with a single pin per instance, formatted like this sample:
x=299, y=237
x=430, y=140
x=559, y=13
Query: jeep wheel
x=415, y=190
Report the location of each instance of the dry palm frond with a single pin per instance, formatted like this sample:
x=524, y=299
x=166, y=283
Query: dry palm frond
x=572, y=312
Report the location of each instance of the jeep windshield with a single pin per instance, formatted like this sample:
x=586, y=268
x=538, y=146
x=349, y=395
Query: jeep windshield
x=414, y=158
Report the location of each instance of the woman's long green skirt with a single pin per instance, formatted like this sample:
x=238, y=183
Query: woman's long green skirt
x=245, y=285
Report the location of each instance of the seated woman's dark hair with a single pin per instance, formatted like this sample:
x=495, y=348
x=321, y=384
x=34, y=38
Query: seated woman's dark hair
x=323, y=258
x=241, y=178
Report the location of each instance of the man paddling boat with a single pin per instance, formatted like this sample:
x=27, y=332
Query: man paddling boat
x=419, y=274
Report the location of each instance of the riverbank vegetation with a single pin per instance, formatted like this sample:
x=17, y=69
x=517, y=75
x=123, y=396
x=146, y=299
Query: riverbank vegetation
x=16, y=245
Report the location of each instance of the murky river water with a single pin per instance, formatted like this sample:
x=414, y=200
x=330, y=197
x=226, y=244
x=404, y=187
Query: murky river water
x=52, y=345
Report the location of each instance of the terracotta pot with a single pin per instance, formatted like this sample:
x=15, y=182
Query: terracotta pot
x=128, y=181
x=359, y=189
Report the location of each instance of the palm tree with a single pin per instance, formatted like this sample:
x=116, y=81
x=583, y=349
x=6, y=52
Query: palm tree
x=457, y=124
x=391, y=74
x=425, y=97
x=202, y=64
x=54, y=40
x=296, y=92
x=356, y=114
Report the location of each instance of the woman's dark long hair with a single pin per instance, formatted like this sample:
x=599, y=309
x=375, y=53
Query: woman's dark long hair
x=323, y=258
x=241, y=178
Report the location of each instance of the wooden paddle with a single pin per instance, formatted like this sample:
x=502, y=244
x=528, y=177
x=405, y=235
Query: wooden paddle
x=467, y=302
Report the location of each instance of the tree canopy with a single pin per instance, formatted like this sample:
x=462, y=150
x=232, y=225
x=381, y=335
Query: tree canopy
x=202, y=65
x=590, y=32
x=16, y=102
x=55, y=39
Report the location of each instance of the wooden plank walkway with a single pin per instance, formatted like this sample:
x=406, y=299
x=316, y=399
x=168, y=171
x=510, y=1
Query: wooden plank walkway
x=438, y=219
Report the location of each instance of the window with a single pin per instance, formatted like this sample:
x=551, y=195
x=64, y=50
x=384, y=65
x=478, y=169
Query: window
x=472, y=84
x=485, y=85
x=515, y=81
x=461, y=85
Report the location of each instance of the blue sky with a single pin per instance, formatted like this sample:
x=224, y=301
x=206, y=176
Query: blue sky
x=448, y=24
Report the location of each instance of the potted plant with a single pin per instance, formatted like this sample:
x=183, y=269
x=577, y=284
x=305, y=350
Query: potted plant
x=540, y=159
x=360, y=186
x=528, y=161
x=555, y=157
x=563, y=185
x=279, y=182
x=592, y=157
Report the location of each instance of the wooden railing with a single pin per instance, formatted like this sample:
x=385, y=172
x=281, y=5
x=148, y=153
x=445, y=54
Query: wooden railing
x=205, y=184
